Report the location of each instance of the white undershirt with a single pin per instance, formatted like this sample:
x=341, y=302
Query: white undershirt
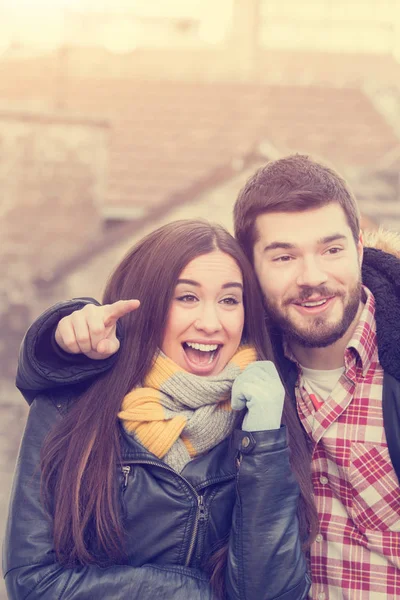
x=319, y=382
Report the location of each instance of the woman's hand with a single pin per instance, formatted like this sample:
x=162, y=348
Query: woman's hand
x=92, y=329
x=259, y=389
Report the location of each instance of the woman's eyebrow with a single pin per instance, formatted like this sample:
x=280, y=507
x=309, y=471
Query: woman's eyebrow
x=234, y=284
x=188, y=282
x=230, y=284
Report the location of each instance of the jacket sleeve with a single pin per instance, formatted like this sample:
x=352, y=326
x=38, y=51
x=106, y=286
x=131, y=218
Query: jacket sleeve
x=42, y=365
x=29, y=564
x=265, y=560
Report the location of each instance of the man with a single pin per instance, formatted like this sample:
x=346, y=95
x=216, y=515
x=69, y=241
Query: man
x=337, y=343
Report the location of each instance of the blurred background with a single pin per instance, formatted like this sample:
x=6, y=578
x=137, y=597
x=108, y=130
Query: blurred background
x=119, y=115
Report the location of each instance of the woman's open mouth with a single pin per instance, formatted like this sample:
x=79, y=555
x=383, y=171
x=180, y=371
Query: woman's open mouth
x=201, y=357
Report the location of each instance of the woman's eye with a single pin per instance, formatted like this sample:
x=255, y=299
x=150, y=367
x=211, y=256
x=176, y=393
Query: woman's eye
x=187, y=298
x=230, y=301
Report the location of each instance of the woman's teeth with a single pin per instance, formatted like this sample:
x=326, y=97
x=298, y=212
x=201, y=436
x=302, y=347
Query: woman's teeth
x=202, y=347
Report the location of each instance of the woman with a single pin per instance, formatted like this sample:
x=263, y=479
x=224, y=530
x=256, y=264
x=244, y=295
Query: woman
x=138, y=482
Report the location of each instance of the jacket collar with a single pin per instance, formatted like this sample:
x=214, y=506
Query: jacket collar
x=216, y=465
x=363, y=341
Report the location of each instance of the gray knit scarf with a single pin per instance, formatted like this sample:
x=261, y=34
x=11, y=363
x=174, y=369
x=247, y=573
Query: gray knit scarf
x=178, y=415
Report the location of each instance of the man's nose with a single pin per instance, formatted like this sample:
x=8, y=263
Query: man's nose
x=208, y=320
x=311, y=273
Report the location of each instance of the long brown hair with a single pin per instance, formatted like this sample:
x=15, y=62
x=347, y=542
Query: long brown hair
x=80, y=455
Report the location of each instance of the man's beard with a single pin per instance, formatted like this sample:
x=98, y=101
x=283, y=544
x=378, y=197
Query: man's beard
x=319, y=333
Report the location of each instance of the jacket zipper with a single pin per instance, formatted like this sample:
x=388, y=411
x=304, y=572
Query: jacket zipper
x=201, y=509
x=200, y=516
x=125, y=471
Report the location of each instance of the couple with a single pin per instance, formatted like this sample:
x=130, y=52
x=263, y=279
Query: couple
x=155, y=457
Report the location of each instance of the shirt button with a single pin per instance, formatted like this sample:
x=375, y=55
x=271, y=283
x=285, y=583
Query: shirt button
x=318, y=538
x=321, y=596
x=245, y=442
x=323, y=480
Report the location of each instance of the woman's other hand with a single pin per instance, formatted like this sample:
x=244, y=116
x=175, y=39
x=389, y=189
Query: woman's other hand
x=92, y=329
x=259, y=389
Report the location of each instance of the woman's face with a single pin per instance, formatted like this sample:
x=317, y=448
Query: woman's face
x=206, y=315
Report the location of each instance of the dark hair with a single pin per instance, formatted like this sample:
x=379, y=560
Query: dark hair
x=79, y=495
x=291, y=184
x=80, y=455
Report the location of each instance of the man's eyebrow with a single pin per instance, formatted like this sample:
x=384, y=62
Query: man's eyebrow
x=276, y=245
x=287, y=246
x=229, y=284
x=335, y=237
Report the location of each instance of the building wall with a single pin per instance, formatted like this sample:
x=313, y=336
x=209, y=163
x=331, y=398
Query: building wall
x=52, y=176
x=89, y=277
x=330, y=25
x=341, y=41
x=318, y=25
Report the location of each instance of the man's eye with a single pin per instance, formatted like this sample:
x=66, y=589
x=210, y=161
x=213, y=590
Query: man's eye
x=334, y=250
x=285, y=258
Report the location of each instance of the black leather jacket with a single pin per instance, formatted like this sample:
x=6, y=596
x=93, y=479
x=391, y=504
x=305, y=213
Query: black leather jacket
x=172, y=521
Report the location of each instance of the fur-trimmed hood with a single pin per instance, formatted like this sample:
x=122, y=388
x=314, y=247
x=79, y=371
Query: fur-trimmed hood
x=381, y=274
x=382, y=239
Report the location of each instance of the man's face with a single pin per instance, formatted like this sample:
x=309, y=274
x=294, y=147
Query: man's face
x=309, y=268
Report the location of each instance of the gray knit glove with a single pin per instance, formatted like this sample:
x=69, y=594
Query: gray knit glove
x=259, y=389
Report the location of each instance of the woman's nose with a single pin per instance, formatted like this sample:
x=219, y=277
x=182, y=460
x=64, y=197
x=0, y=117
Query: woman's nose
x=208, y=320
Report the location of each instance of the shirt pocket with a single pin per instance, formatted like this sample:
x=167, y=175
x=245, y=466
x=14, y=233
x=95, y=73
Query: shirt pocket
x=374, y=487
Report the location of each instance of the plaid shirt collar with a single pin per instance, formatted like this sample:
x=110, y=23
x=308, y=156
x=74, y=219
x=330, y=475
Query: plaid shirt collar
x=363, y=341
x=361, y=346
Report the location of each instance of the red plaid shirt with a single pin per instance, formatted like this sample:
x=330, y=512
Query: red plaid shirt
x=356, y=555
